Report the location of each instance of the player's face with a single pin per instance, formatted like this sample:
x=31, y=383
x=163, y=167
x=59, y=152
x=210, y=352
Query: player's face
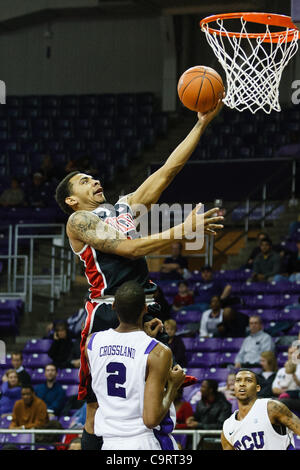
x=87, y=190
x=245, y=386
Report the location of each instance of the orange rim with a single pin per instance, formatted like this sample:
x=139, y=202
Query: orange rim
x=271, y=19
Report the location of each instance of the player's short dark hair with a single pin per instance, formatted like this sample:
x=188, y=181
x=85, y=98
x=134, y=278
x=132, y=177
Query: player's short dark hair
x=244, y=369
x=64, y=190
x=129, y=301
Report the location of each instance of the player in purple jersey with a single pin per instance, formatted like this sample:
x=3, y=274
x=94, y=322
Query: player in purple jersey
x=121, y=256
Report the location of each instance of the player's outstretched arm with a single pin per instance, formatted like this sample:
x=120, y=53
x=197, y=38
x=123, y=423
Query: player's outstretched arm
x=158, y=398
x=86, y=227
x=150, y=191
x=225, y=444
x=279, y=413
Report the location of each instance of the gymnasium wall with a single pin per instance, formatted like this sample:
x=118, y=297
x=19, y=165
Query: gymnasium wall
x=94, y=56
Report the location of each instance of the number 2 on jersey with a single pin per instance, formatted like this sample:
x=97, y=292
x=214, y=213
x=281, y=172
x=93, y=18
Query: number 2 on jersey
x=117, y=377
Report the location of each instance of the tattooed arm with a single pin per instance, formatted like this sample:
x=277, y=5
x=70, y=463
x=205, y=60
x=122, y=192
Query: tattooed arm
x=280, y=414
x=87, y=228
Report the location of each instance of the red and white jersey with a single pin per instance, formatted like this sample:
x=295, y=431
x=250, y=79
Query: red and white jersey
x=106, y=272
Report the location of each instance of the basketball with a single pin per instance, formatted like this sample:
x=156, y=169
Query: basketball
x=199, y=88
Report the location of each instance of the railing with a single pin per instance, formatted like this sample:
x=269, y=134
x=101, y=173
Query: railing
x=195, y=433
x=15, y=292
x=60, y=282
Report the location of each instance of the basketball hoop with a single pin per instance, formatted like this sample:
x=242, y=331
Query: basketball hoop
x=253, y=62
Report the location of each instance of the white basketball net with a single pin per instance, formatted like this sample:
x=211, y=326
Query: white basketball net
x=253, y=67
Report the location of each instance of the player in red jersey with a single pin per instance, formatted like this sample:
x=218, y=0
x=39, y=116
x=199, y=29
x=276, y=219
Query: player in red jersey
x=105, y=239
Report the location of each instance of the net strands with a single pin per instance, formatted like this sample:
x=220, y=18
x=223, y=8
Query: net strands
x=253, y=67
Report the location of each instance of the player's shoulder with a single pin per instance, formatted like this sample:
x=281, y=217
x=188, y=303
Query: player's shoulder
x=160, y=351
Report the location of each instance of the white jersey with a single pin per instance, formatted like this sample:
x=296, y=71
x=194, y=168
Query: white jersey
x=118, y=368
x=255, y=431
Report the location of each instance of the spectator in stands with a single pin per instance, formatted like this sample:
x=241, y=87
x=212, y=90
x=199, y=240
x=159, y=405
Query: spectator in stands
x=165, y=308
x=13, y=196
x=228, y=390
x=256, y=250
x=175, y=267
x=51, y=392
x=29, y=412
x=207, y=287
x=211, y=318
x=183, y=410
x=10, y=392
x=254, y=344
x=16, y=362
x=287, y=380
x=62, y=349
x=266, y=377
x=212, y=410
x=36, y=193
x=184, y=297
x=48, y=169
x=267, y=264
x=175, y=342
x=75, y=444
x=233, y=325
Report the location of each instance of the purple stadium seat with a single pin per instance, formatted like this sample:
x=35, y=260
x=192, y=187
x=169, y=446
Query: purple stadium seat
x=295, y=329
x=68, y=376
x=218, y=374
x=282, y=357
x=36, y=360
x=231, y=344
x=204, y=359
x=207, y=344
x=226, y=358
x=37, y=375
x=254, y=287
x=290, y=314
x=5, y=422
x=70, y=390
x=65, y=421
x=187, y=316
x=270, y=315
x=23, y=441
x=37, y=346
x=189, y=344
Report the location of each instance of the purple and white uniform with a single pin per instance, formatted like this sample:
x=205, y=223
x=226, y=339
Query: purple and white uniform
x=118, y=368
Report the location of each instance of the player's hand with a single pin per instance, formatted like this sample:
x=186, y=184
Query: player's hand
x=205, y=118
x=206, y=221
x=176, y=376
x=153, y=327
